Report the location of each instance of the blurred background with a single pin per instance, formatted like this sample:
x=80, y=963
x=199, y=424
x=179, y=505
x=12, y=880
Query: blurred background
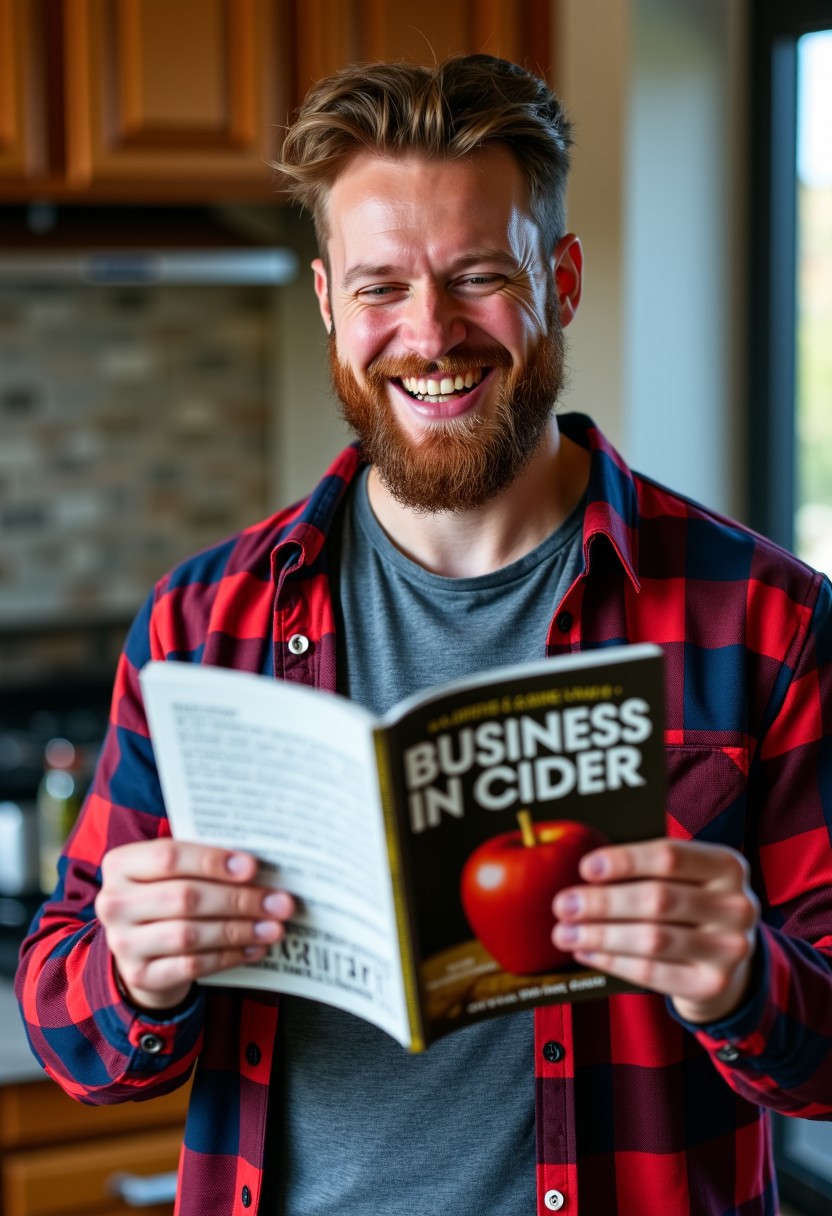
x=163, y=374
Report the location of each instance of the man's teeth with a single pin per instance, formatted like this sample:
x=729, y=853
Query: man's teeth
x=427, y=388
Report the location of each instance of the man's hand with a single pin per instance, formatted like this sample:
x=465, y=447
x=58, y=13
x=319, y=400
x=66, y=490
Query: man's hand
x=173, y=912
x=672, y=915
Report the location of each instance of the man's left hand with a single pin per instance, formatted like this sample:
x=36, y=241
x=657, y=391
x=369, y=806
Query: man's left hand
x=677, y=916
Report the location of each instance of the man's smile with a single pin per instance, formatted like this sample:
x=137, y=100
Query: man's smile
x=440, y=388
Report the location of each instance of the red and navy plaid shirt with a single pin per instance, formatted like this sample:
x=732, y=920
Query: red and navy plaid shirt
x=637, y=1112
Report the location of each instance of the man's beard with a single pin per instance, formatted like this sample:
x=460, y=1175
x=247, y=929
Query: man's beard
x=457, y=463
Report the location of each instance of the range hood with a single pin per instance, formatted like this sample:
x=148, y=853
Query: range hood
x=144, y=267
x=42, y=244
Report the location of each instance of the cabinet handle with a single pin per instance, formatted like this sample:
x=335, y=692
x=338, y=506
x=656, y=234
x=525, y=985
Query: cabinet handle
x=138, y=1192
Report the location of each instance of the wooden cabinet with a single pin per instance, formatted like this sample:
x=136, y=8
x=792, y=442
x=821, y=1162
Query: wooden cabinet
x=141, y=99
x=167, y=91
x=332, y=33
x=61, y=1159
x=165, y=100
x=22, y=126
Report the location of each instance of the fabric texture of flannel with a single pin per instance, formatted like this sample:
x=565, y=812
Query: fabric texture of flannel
x=638, y=1111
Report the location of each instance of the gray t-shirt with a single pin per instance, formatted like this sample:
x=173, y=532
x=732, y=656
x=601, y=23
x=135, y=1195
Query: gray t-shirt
x=358, y=1125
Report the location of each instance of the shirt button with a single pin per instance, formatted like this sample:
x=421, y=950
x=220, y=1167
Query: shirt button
x=553, y=1052
x=298, y=643
x=253, y=1054
x=564, y=621
x=151, y=1043
x=728, y=1054
x=246, y=1197
x=553, y=1200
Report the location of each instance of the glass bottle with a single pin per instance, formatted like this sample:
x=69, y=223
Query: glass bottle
x=58, y=802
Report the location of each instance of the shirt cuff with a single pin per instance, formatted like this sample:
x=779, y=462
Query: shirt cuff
x=738, y=1038
x=155, y=1015
x=149, y=1040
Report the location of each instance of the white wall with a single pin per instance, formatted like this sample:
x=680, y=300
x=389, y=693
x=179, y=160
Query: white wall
x=656, y=89
x=593, y=76
x=309, y=431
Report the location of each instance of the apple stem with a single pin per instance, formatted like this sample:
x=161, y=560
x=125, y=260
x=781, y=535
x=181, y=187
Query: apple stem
x=524, y=818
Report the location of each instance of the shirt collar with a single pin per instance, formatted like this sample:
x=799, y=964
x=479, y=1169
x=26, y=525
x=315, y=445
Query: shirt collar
x=611, y=502
x=611, y=497
x=308, y=526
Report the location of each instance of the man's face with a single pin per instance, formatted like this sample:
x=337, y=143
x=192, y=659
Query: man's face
x=446, y=346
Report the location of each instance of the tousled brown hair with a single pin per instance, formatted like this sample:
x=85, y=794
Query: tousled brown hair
x=446, y=111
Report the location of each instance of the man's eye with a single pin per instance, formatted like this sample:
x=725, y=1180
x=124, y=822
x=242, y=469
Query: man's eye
x=379, y=292
x=481, y=282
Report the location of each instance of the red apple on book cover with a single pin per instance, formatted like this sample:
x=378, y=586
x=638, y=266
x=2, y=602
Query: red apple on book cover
x=509, y=882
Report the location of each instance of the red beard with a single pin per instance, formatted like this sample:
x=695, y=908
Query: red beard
x=459, y=463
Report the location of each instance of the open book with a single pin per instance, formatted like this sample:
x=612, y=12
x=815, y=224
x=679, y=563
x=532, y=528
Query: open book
x=425, y=848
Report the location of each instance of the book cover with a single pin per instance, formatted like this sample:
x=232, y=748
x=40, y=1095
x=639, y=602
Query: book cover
x=501, y=787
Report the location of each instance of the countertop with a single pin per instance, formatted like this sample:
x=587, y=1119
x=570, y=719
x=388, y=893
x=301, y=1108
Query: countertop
x=16, y=1060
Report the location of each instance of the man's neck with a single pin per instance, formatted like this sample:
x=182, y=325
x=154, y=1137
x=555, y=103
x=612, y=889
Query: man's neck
x=470, y=543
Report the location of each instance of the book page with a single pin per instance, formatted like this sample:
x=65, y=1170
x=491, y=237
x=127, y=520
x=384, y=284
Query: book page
x=287, y=774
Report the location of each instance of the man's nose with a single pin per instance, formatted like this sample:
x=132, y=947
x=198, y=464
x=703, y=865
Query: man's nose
x=432, y=324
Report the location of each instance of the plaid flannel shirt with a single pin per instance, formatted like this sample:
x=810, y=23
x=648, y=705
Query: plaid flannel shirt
x=638, y=1112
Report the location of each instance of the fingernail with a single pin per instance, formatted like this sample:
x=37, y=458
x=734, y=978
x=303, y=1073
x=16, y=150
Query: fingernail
x=595, y=866
x=265, y=928
x=568, y=905
x=278, y=903
x=253, y=951
x=237, y=863
x=568, y=934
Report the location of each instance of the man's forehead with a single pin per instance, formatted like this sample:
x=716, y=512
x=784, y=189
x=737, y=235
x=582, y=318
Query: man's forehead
x=408, y=158
x=387, y=198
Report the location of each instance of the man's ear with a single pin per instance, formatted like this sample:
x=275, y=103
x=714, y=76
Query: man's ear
x=322, y=292
x=568, y=267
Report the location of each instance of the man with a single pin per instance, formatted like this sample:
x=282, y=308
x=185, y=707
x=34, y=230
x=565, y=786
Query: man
x=471, y=529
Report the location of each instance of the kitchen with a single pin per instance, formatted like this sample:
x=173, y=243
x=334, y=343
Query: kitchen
x=143, y=418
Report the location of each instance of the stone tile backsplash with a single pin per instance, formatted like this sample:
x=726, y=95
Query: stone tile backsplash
x=134, y=426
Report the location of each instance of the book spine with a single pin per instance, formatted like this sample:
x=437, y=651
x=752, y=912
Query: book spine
x=394, y=853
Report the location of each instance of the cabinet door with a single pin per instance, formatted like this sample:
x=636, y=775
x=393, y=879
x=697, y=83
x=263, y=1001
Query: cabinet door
x=78, y=1179
x=172, y=97
x=22, y=130
x=38, y=1112
x=332, y=33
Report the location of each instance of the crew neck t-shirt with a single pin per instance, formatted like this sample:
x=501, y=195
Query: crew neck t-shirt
x=358, y=1125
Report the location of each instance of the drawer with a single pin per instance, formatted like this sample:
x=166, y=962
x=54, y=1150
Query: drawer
x=77, y=1179
x=40, y=1112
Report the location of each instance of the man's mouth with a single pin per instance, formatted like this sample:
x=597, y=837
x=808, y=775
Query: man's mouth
x=436, y=389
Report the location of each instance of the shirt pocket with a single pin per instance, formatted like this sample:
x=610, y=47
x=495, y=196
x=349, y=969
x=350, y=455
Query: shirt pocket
x=707, y=793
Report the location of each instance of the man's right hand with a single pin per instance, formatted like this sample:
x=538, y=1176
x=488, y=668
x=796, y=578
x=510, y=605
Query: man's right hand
x=174, y=911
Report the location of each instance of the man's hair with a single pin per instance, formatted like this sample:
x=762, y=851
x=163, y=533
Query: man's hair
x=443, y=112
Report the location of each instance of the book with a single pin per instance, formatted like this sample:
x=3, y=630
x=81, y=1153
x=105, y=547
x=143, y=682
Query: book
x=424, y=849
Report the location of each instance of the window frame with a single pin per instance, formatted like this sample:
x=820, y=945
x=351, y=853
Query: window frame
x=775, y=30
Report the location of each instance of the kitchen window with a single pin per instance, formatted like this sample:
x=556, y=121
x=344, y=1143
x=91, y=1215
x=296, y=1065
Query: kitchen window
x=790, y=416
